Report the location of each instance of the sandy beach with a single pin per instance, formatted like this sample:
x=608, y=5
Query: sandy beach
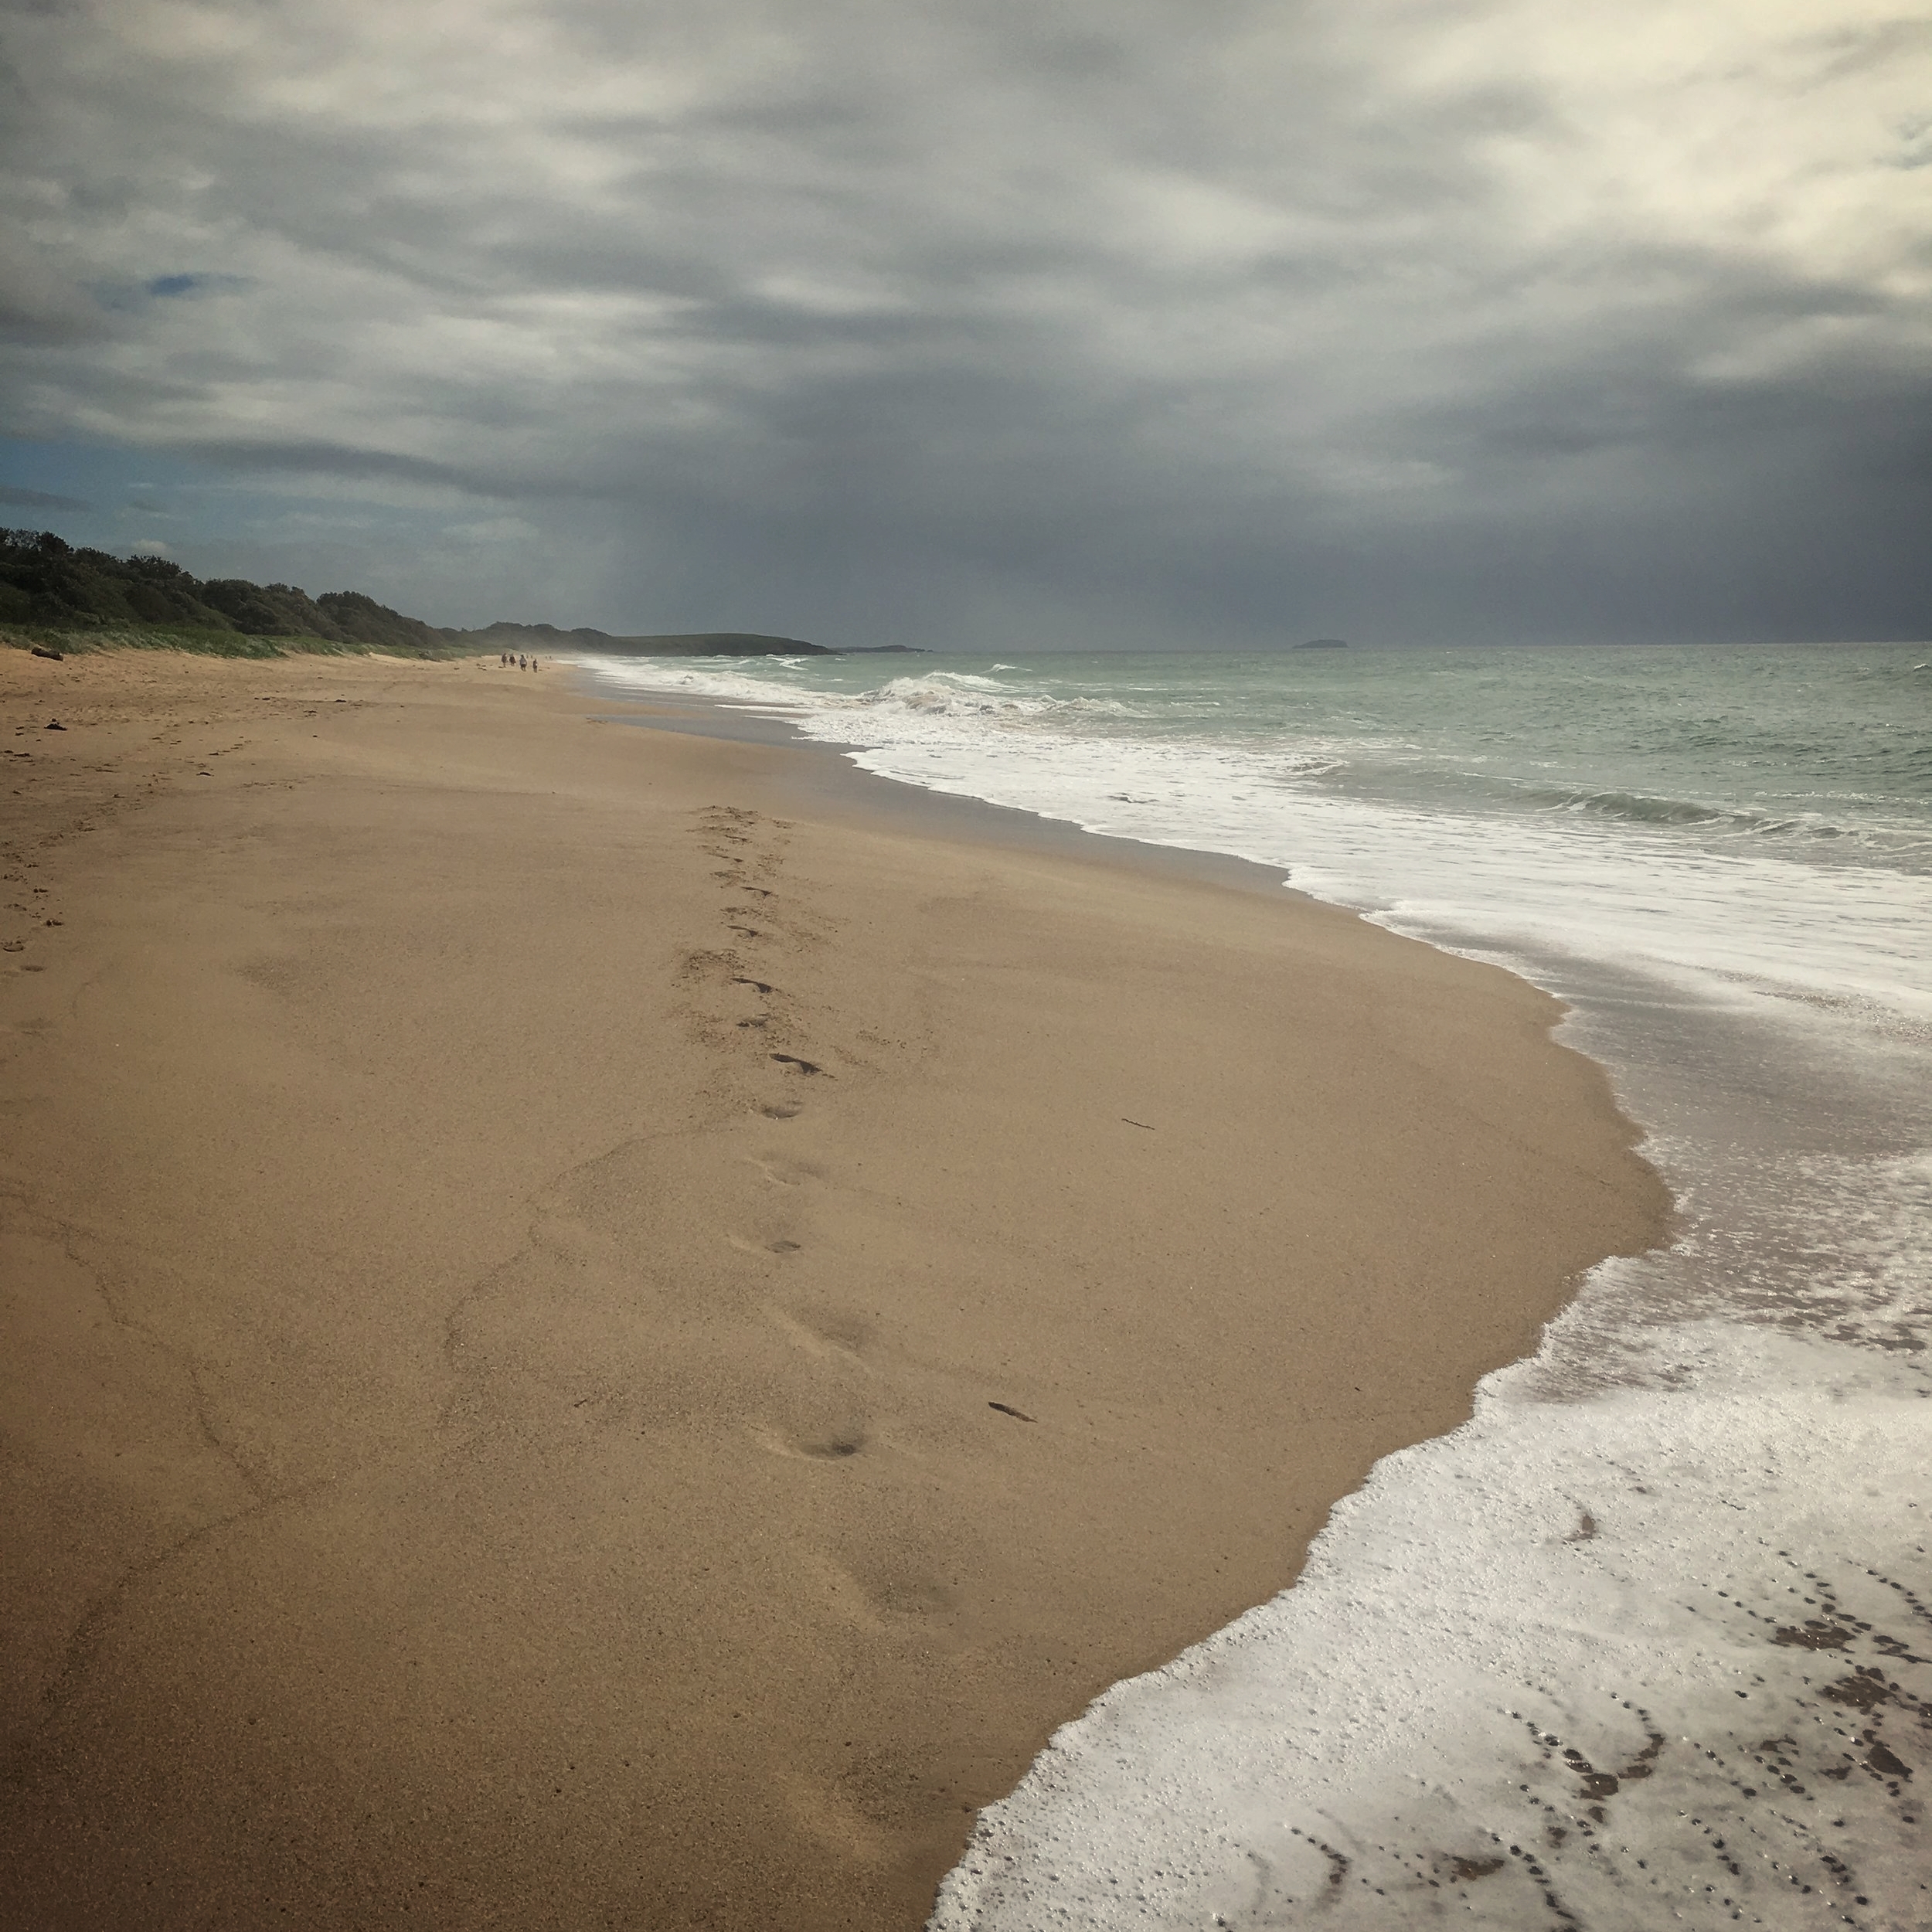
x=603, y=1329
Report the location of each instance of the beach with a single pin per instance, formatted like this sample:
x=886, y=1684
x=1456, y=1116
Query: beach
x=603, y=1329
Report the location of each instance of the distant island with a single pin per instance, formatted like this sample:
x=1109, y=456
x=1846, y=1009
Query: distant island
x=49, y=584
x=1324, y=643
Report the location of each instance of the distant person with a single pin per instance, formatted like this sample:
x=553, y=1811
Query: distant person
x=522, y=664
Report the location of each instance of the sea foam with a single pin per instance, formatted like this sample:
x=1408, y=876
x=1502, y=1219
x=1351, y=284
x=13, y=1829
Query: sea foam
x=1646, y=1641
x=1520, y=1684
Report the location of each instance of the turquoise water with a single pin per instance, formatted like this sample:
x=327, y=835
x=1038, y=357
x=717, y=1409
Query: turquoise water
x=1764, y=814
x=1649, y=1639
x=1825, y=743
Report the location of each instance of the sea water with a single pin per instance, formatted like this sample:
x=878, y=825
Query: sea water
x=1646, y=1642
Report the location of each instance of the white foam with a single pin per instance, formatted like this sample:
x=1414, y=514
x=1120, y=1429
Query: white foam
x=1389, y=1744
x=1716, y=1443
x=1719, y=915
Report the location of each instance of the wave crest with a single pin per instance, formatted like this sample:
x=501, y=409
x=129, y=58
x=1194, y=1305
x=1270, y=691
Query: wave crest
x=957, y=694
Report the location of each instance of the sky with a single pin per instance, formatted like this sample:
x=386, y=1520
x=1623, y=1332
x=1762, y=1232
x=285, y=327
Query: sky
x=982, y=325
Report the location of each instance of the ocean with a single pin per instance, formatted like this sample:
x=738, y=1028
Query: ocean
x=1648, y=1640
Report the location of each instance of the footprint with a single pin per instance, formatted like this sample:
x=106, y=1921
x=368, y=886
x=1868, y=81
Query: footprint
x=910, y=1595
x=761, y=1249
x=699, y=964
x=783, y=1173
x=839, y=1444
x=788, y=1111
x=822, y=1331
x=792, y=1059
x=756, y=985
x=884, y=1597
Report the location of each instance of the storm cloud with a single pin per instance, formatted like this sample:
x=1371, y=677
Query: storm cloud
x=979, y=324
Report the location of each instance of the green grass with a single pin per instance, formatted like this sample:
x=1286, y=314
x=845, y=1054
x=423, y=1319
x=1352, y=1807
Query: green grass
x=206, y=644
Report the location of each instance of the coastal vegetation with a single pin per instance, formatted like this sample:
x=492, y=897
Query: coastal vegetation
x=55, y=595
x=47, y=586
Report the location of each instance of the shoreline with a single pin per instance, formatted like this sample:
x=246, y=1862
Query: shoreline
x=824, y=778
x=576, y=1464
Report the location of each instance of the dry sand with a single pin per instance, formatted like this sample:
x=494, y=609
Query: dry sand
x=523, y=1240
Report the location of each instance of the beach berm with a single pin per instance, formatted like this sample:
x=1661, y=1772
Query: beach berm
x=601, y=1329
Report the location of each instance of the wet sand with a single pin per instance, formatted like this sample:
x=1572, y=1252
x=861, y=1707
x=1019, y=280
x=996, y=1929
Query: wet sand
x=602, y=1329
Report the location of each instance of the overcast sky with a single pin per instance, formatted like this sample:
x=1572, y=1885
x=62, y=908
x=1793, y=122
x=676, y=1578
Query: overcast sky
x=1205, y=322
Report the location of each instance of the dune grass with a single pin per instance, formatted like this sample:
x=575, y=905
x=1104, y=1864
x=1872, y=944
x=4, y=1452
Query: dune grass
x=202, y=643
